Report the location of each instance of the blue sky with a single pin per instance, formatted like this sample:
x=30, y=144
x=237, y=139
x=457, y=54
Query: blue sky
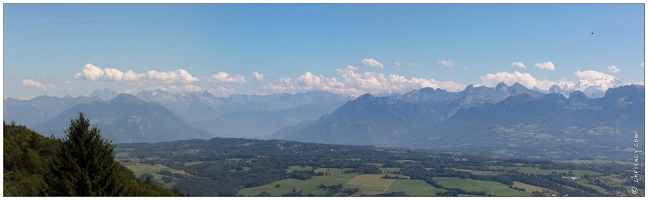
x=59, y=49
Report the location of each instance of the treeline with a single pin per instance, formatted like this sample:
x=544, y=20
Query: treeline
x=82, y=164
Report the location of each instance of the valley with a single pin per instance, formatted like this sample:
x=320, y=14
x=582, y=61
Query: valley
x=224, y=167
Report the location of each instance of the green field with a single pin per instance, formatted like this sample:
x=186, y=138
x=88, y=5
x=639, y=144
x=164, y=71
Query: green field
x=370, y=183
x=367, y=183
x=307, y=186
x=192, y=163
x=531, y=170
x=376, y=164
x=596, y=187
x=528, y=188
x=295, y=167
x=417, y=188
x=122, y=155
x=476, y=171
x=243, y=145
x=139, y=169
x=390, y=169
x=491, y=187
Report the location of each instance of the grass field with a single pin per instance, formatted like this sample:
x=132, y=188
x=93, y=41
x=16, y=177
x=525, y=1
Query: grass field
x=390, y=169
x=139, y=169
x=529, y=188
x=491, y=187
x=370, y=183
x=371, y=180
x=122, y=155
x=417, y=188
x=192, y=163
x=295, y=167
x=376, y=164
x=546, y=171
x=307, y=186
x=476, y=172
x=596, y=187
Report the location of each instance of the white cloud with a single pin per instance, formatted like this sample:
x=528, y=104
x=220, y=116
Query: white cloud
x=93, y=73
x=447, y=63
x=36, y=84
x=52, y=86
x=224, y=77
x=592, y=75
x=642, y=64
x=354, y=84
x=352, y=68
x=397, y=63
x=466, y=68
x=491, y=80
x=613, y=69
x=221, y=91
x=257, y=76
x=412, y=64
x=519, y=65
x=373, y=63
x=67, y=82
x=546, y=65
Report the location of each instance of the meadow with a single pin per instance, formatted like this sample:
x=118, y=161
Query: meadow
x=491, y=187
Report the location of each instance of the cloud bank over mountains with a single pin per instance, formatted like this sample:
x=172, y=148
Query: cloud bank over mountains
x=352, y=80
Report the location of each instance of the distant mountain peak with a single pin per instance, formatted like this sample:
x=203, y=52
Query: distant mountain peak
x=105, y=94
x=518, y=85
x=470, y=88
x=577, y=95
x=127, y=98
x=366, y=96
x=501, y=86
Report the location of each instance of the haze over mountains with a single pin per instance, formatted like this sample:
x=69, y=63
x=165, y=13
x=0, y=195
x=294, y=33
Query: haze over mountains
x=126, y=119
x=497, y=119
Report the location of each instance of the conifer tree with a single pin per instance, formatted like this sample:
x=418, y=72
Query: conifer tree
x=85, y=164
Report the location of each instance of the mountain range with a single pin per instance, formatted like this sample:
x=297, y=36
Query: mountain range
x=523, y=122
x=41, y=108
x=502, y=120
x=371, y=120
x=126, y=119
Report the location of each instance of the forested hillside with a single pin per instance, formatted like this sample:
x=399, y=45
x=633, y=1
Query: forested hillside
x=82, y=164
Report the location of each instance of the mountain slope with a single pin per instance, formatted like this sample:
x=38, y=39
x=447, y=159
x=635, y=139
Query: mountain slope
x=127, y=119
x=525, y=124
x=371, y=120
x=41, y=108
x=105, y=94
x=366, y=120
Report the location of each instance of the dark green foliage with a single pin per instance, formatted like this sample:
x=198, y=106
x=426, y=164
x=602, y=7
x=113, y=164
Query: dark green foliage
x=263, y=194
x=85, y=166
x=82, y=164
x=25, y=155
x=146, y=176
x=302, y=174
